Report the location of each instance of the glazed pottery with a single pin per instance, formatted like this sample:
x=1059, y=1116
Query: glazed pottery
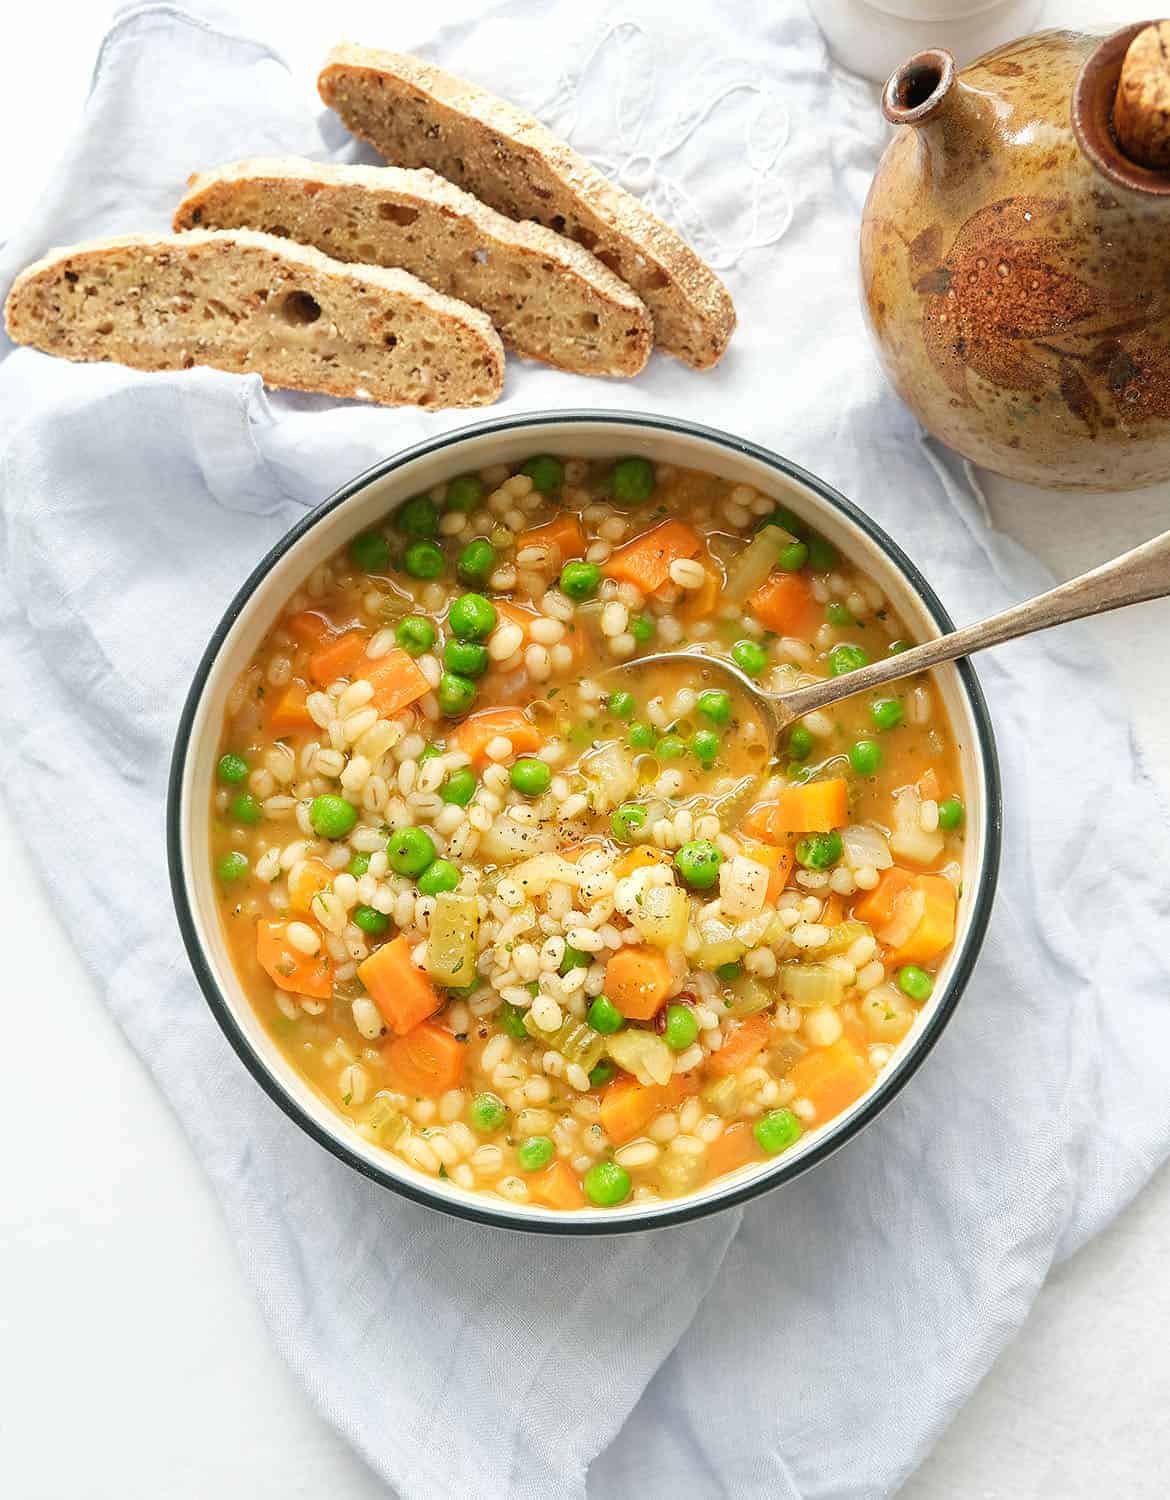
x=1016, y=264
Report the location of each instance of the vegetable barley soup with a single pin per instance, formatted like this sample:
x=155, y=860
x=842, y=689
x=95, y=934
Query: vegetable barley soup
x=562, y=935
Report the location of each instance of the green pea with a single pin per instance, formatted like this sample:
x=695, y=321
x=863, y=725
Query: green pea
x=642, y=628
x=574, y=959
x=786, y=521
x=915, y=982
x=729, y=972
x=332, y=817
x=844, y=659
x=698, y=863
x=633, y=480
x=579, y=580
x=512, y=1021
x=232, y=867
x=865, y=757
x=488, y=1113
x=681, y=1027
x=621, y=705
x=232, y=769
x=750, y=657
x=456, y=694
x=605, y=1017
x=546, y=472
x=428, y=752
x=800, y=742
x=603, y=1073
x=627, y=820
x=418, y=517
x=531, y=777
x=607, y=1184
x=472, y=617
x=837, y=614
x=534, y=1153
x=793, y=557
x=641, y=736
x=459, y=787
x=370, y=552
x=705, y=745
x=246, y=809
x=776, y=1131
x=822, y=555
x=895, y=648
x=410, y=851
x=370, y=920
x=358, y=866
x=715, y=704
x=464, y=492
x=465, y=658
x=477, y=561
x=415, y=635
x=671, y=747
x=819, y=851
x=439, y=877
x=950, y=814
x=423, y=560
x=886, y=713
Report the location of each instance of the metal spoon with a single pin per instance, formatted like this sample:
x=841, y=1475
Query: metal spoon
x=1133, y=578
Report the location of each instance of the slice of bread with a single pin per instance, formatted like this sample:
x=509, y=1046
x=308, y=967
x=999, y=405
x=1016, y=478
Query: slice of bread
x=418, y=116
x=249, y=302
x=549, y=298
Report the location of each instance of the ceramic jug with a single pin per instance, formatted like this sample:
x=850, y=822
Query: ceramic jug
x=1015, y=255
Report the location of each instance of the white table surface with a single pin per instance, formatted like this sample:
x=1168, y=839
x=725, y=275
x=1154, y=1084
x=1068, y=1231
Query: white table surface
x=133, y=1362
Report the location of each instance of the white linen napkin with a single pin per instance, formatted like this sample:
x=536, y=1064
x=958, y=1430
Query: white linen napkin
x=815, y=1343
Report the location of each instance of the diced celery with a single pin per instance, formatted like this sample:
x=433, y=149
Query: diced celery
x=811, y=984
x=575, y=1040
x=718, y=945
x=748, y=996
x=843, y=936
x=386, y=1122
x=451, y=942
x=723, y=1095
x=752, y=566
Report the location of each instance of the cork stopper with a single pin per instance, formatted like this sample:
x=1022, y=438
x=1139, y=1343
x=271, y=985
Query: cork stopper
x=1141, y=108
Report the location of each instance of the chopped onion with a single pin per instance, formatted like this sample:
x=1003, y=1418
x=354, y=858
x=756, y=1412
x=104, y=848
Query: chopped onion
x=506, y=841
x=661, y=915
x=866, y=846
x=752, y=566
x=910, y=840
x=642, y=1053
x=610, y=772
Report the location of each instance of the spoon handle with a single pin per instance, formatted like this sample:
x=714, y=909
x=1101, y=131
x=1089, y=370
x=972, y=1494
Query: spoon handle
x=1132, y=578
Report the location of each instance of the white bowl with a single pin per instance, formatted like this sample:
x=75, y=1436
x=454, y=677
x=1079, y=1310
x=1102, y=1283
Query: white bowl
x=363, y=502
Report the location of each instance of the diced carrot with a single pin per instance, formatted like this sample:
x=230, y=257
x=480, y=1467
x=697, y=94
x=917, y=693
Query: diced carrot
x=645, y=562
x=830, y=1077
x=628, y=1106
x=288, y=967
x=928, y=785
x=477, y=732
x=701, y=603
x=877, y=906
x=734, y=1148
x=814, y=806
x=556, y=1186
x=516, y=614
x=935, y=931
x=760, y=822
x=338, y=657
x=638, y=980
x=832, y=911
x=563, y=532
x=287, y=712
x=398, y=682
x=785, y=603
x=307, y=627
x=778, y=861
x=637, y=858
x=397, y=986
x=746, y=1042
x=309, y=879
x=426, y=1062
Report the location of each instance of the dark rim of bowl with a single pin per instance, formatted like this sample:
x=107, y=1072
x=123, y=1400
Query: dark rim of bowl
x=688, y=1208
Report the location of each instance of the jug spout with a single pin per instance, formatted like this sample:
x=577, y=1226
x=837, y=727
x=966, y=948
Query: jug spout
x=927, y=93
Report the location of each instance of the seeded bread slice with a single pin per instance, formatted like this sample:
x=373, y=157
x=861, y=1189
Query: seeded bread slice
x=247, y=302
x=418, y=116
x=548, y=298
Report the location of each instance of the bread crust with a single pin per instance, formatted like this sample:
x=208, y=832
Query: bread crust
x=249, y=302
x=419, y=116
x=547, y=296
